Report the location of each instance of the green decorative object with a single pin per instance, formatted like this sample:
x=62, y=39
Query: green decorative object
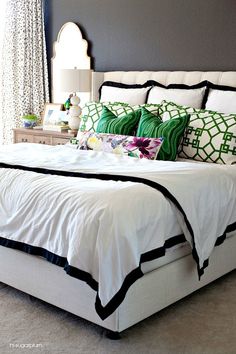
x=124, y=125
x=67, y=104
x=151, y=126
x=209, y=137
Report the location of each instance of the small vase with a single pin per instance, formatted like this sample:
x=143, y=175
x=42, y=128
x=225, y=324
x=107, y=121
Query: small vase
x=27, y=123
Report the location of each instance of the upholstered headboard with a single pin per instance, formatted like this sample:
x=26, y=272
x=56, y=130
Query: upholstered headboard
x=164, y=77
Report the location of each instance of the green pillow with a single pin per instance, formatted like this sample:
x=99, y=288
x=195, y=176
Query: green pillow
x=151, y=126
x=209, y=137
x=92, y=111
x=124, y=125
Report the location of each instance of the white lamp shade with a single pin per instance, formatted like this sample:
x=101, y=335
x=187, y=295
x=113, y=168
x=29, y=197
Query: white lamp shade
x=75, y=80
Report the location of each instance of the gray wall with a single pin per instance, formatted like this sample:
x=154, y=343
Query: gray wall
x=151, y=34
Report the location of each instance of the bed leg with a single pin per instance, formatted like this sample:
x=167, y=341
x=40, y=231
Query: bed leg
x=113, y=335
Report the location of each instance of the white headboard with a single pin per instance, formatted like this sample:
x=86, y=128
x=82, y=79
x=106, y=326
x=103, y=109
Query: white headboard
x=164, y=77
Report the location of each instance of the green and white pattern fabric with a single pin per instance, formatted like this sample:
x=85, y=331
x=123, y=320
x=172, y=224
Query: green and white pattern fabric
x=209, y=137
x=151, y=126
x=92, y=111
x=111, y=124
x=150, y=107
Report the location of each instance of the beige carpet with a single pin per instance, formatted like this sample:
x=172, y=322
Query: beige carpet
x=203, y=323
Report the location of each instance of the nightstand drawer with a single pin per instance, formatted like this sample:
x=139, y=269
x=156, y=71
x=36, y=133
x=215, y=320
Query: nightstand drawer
x=60, y=141
x=40, y=136
x=40, y=139
x=24, y=138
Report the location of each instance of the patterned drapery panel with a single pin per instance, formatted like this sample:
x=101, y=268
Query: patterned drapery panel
x=2, y=26
x=25, y=74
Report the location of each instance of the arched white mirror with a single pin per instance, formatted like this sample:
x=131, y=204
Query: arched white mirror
x=69, y=52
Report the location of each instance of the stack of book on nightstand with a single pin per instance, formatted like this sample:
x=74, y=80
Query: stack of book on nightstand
x=62, y=127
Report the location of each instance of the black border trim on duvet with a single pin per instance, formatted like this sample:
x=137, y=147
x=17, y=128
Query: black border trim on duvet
x=135, y=274
x=106, y=311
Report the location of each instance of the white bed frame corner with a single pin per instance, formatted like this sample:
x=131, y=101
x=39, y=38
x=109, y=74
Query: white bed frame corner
x=148, y=295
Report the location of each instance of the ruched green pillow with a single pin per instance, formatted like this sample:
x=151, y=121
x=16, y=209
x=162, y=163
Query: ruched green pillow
x=172, y=131
x=124, y=125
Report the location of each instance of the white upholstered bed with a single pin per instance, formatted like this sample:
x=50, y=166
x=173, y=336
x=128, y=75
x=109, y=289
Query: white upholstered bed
x=165, y=281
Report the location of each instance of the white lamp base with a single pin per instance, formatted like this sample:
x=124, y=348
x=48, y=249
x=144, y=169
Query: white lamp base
x=74, y=113
x=74, y=123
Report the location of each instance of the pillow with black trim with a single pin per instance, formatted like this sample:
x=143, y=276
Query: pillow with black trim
x=92, y=111
x=209, y=137
x=220, y=98
x=132, y=146
x=124, y=125
x=111, y=91
x=179, y=93
x=151, y=126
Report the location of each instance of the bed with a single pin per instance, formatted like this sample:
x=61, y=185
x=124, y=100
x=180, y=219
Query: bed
x=164, y=279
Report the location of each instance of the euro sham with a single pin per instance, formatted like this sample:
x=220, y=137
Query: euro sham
x=221, y=99
x=132, y=94
x=179, y=93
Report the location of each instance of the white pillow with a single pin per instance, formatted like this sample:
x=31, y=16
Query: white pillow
x=132, y=96
x=221, y=101
x=184, y=97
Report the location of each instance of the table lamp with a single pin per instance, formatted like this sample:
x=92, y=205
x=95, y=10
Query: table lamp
x=75, y=80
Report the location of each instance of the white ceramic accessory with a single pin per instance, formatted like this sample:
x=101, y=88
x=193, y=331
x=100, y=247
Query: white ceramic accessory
x=74, y=113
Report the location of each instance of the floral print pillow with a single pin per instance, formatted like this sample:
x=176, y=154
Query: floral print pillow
x=147, y=148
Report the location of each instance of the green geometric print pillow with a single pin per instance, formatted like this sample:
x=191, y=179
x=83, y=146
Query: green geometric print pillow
x=172, y=131
x=92, y=111
x=111, y=124
x=150, y=107
x=209, y=137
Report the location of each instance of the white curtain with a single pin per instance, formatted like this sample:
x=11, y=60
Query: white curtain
x=24, y=75
x=2, y=26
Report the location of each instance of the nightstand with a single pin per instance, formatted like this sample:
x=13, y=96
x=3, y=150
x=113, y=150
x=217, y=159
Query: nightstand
x=40, y=136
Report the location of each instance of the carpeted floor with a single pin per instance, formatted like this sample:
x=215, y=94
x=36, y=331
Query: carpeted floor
x=202, y=323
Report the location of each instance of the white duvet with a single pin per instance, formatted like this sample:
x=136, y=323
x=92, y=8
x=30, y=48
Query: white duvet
x=103, y=227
